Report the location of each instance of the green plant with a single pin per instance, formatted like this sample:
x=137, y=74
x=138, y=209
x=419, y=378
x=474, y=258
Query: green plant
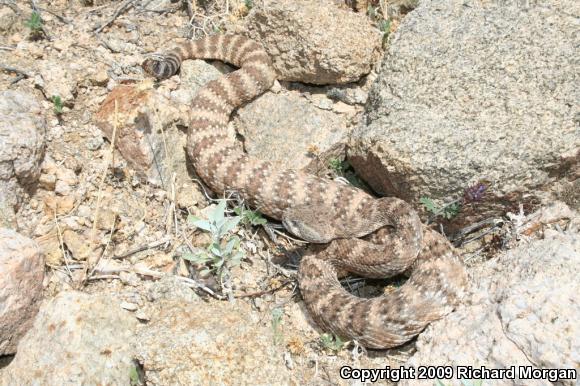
x=331, y=342
x=344, y=169
x=34, y=23
x=224, y=251
x=134, y=376
x=385, y=28
x=250, y=217
x=447, y=211
x=277, y=314
x=249, y=4
x=372, y=12
x=336, y=165
x=57, y=103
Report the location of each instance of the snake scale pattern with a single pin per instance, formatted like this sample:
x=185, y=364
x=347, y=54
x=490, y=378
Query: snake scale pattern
x=371, y=237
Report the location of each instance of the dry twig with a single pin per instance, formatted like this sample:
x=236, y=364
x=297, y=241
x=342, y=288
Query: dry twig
x=125, y=5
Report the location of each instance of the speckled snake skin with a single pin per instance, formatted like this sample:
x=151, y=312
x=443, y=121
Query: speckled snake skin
x=361, y=234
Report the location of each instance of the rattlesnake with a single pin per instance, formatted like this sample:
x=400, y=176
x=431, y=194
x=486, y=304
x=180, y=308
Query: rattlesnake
x=371, y=237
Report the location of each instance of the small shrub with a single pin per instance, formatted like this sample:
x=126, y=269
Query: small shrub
x=35, y=24
x=472, y=194
x=447, y=211
x=250, y=217
x=249, y=4
x=134, y=376
x=344, y=169
x=224, y=251
x=385, y=28
x=57, y=103
x=331, y=342
x=336, y=166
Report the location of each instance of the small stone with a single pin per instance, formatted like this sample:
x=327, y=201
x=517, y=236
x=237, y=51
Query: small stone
x=95, y=143
x=189, y=195
x=160, y=195
x=84, y=211
x=68, y=175
x=49, y=166
x=129, y=278
x=105, y=219
x=141, y=315
x=47, y=181
x=100, y=78
x=62, y=188
x=60, y=205
x=129, y=306
x=61, y=44
x=80, y=247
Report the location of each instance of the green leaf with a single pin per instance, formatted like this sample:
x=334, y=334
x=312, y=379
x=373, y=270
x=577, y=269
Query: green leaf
x=35, y=22
x=58, y=106
x=256, y=218
x=134, y=376
x=188, y=256
x=215, y=250
x=451, y=210
x=218, y=214
x=203, y=224
x=229, y=225
x=385, y=25
x=191, y=218
x=230, y=246
x=332, y=342
x=429, y=204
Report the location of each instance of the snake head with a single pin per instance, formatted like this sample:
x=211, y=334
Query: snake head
x=304, y=229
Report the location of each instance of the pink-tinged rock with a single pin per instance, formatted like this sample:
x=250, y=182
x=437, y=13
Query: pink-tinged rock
x=21, y=275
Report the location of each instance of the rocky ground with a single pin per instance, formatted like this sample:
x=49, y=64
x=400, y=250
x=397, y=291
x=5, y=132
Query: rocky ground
x=468, y=110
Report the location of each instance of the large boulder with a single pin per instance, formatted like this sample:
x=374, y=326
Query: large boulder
x=470, y=91
x=289, y=130
x=189, y=343
x=22, y=144
x=524, y=312
x=315, y=41
x=76, y=339
x=21, y=275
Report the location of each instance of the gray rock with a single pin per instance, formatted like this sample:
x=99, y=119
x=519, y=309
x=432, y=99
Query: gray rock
x=524, y=313
x=21, y=275
x=169, y=287
x=287, y=129
x=8, y=20
x=471, y=91
x=22, y=144
x=315, y=41
x=76, y=339
x=191, y=344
